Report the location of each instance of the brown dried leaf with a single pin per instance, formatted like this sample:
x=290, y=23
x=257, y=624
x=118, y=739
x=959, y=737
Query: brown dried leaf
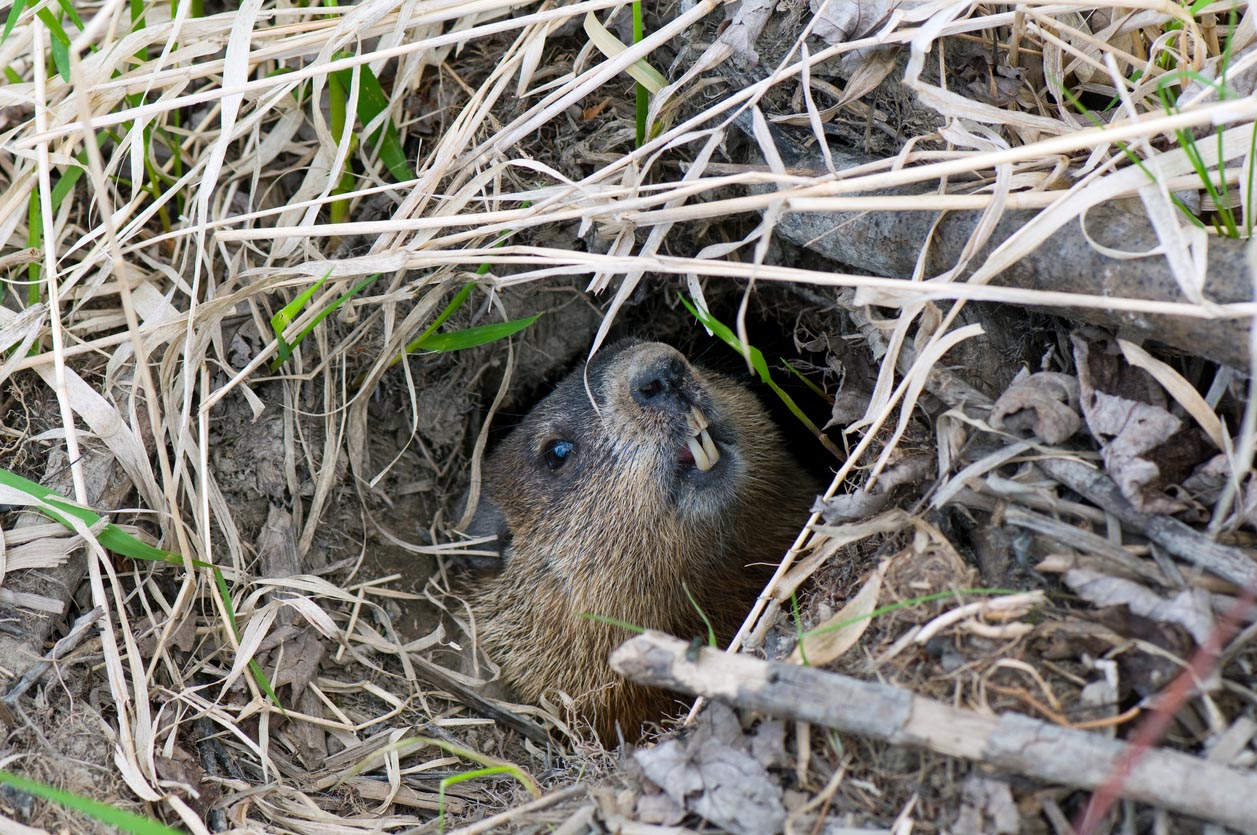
x=183, y=770
x=1146, y=672
x=744, y=28
x=183, y=638
x=997, y=85
x=1146, y=449
x=712, y=774
x=827, y=646
x=838, y=22
x=301, y=661
x=873, y=67
x=1190, y=608
x=659, y=809
x=1045, y=404
x=988, y=808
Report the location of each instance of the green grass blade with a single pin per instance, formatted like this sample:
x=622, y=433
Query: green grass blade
x=70, y=177
x=59, y=43
x=120, y=818
x=760, y=365
x=138, y=23
x=338, y=103
x=229, y=610
x=14, y=13
x=119, y=541
x=110, y=536
x=643, y=95
x=470, y=337
x=711, y=630
x=292, y=310
x=331, y=308
x=455, y=779
x=422, y=342
x=285, y=316
x=34, y=240
x=68, y=9
x=902, y=604
x=798, y=375
x=455, y=303
x=289, y=312
x=385, y=140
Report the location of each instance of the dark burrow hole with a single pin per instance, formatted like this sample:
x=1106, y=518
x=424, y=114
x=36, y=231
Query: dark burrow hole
x=773, y=315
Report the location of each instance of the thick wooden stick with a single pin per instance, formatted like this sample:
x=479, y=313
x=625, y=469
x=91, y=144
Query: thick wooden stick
x=1170, y=779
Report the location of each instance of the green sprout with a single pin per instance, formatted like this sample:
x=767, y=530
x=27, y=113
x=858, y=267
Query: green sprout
x=119, y=819
x=61, y=510
x=756, y=358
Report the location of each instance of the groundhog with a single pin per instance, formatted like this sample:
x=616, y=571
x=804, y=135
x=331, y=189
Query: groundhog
x=671, y=478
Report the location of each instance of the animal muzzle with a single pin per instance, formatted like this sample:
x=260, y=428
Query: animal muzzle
x=661, y=380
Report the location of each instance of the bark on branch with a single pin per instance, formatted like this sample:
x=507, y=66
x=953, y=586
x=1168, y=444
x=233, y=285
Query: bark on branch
x=1171, y=779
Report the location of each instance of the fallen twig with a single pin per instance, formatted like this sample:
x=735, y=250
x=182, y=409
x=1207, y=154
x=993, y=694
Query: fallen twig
x=1178, y=539
x=1027, y=746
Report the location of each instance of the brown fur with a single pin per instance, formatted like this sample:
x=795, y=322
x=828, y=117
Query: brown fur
x=623, y=524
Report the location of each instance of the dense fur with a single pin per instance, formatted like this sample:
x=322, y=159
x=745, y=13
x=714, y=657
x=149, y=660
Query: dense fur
x=626, y=522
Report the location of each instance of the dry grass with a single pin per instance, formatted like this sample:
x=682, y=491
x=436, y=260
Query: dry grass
x=211, y=176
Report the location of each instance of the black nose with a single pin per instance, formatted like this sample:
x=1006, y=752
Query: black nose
x=660, y=385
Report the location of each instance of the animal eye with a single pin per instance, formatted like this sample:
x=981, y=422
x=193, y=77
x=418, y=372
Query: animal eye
x=557, y=452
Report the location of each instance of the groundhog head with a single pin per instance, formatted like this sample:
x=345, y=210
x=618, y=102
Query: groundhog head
x=643, y=490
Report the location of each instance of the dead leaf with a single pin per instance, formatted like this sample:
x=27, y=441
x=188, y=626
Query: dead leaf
x=712, y=774
x=850, y=404
x=1045, y=404
x=988, y=808
x=182, y=773
x=910, y=471
x=1183, y=392
x=1190, y=608
x=1147, y=450
x=301, y=660
x=996, y=84
x=744, y=27
x=872, y=68
x=1147, y=672
x=1209, y=478
x=822, y=648
x=838, y=22
x=659, y=809
x=768, y=745
x=592, y=112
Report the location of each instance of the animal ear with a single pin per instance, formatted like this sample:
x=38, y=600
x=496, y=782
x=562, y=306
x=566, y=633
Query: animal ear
x=489, y=521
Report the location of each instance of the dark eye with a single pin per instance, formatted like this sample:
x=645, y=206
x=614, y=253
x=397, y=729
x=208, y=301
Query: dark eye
x=557, y=453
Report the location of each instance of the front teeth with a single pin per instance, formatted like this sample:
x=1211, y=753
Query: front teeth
x=697, y=420
x=700, y=444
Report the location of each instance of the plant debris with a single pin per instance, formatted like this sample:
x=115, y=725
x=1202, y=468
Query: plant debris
x=1001, y=250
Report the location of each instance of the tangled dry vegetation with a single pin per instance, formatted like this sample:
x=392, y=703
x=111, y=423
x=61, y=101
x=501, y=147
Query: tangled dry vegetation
x=1038, y=541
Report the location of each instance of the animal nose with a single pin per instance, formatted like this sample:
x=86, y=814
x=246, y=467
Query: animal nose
x=660, y=383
